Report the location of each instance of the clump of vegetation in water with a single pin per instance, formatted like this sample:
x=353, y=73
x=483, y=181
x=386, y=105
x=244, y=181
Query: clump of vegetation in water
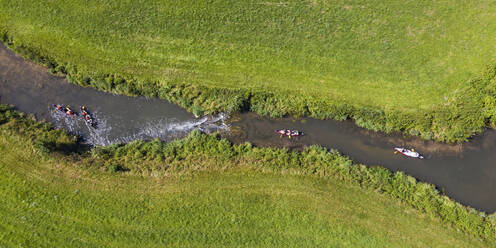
x=408, y=67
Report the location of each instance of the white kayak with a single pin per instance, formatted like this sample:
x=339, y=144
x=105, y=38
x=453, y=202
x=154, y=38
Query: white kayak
x=408, y=152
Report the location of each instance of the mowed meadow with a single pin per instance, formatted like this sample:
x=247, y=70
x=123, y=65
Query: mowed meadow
x=392, y=66
x=197, y=192
x=423, y=67
x=51, y=204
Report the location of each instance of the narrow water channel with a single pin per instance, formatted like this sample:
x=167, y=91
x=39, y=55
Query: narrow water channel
x=119, y=118
x=465, y=172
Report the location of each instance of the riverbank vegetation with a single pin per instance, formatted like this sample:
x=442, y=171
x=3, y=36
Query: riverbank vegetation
x=417, y=66
x=56, y=192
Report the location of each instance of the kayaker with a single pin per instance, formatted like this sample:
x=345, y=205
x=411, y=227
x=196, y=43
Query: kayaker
x=68, y=111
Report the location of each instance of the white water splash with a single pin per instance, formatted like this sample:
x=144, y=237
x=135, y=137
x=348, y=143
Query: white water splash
x=62, y=120
x=164, y=129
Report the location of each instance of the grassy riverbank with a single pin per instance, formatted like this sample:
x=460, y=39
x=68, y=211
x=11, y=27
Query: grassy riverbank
x=56, y=204
x=204, y=191
x=417, y=66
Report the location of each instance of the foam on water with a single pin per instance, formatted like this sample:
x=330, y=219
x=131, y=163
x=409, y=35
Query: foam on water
x=164, y=128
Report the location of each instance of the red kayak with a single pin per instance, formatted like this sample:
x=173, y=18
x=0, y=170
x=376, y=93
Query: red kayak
x=87, y=117
x=66, y=110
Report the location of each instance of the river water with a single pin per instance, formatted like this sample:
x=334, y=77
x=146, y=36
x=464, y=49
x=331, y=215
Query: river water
x=465, y=172
x=119, y=118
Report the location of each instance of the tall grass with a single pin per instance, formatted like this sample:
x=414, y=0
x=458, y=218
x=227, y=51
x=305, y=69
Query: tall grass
x=389, y=66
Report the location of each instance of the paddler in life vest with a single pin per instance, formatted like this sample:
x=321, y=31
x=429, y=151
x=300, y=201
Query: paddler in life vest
x=83, y=110
x=68, y=111
x=58, y=107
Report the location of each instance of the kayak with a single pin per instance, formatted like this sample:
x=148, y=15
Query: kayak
x=90, y=122
x=409, y=153
x=66, y=110
x=87, y=117
x=289, y=133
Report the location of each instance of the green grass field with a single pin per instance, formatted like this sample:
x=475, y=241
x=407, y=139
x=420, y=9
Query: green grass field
x=375, y=61
x=416, y=66
x=56, y=201
x=204, y=191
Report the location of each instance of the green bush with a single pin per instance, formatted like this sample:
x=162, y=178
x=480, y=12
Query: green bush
x=44, y=145
x=113, y=168
x=197, y=111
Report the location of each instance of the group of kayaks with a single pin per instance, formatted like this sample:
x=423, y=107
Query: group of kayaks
x=84, y=113
x=282, y=132
x=404, y=151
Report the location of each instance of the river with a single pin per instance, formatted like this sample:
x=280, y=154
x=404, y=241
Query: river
x=465, y=172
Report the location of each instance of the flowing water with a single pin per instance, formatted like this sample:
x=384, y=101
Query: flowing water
x=119, y=118
x=464, y=172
